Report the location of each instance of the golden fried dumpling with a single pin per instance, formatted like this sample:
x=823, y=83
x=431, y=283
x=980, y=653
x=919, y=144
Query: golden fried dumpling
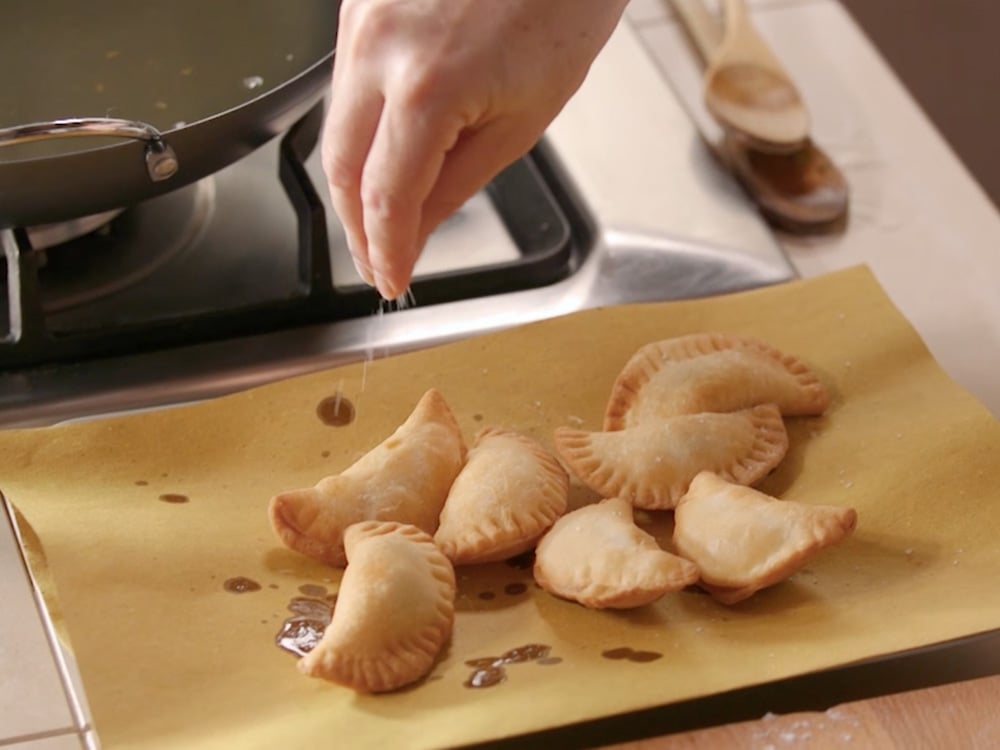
x=744, y=540
x=710, y=372
x=508, y=493
x=597, y=556
x=395, y=610
x=652, y=464
x=405, y=478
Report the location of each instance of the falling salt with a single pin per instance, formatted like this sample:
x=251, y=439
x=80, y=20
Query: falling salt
x=909, y=551
x=289, y=57
x=574, y=420
x=253, y=82
x=406, y=300
x=375, y=320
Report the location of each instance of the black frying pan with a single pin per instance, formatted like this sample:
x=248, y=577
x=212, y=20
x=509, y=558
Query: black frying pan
x=215, y=78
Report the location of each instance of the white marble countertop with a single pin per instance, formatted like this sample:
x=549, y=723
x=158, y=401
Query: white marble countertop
x=918, y=220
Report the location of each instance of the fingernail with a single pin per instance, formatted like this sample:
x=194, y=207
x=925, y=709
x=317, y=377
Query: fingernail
x=385, y=287
x=363, y=271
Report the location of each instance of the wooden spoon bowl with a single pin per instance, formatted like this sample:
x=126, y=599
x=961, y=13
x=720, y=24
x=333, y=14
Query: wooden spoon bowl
x=749, y=92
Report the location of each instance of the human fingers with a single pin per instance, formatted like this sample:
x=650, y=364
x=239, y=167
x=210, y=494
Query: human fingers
x=351, y=123
x=403, y=165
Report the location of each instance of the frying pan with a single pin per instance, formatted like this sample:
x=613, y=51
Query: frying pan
x=107, y=103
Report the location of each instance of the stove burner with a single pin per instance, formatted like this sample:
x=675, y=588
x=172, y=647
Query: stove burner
x=44, y=236
x=125, y=251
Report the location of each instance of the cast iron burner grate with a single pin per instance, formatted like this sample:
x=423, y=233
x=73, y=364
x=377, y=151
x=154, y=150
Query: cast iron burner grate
x=530, y=199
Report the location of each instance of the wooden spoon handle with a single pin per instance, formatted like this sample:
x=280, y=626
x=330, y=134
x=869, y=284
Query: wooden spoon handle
x=704, y=29
x=743, y=42
x=735, y=13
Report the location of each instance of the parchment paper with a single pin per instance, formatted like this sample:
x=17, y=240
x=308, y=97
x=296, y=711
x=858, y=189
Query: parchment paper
x=170, y=659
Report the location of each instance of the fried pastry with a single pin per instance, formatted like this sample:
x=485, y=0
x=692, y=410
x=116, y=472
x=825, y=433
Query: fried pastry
x=508, y=493
x=743, y=540
x=652, y=464
x=405, y=478
x=710, y=372
x=395, y=610
x=597, y=556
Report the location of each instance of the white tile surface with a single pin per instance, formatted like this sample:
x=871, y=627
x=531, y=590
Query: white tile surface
x=644, y=11
x=53, y=742
x=27, y=706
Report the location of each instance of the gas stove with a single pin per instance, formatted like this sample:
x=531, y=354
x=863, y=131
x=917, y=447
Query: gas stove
x=254, y=249
x=244, y=277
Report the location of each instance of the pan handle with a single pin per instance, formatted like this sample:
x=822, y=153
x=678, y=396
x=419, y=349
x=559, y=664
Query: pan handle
x=161, y=161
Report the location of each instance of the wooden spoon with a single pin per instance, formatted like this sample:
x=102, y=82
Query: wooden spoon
x=748, y=91
x=801, y=191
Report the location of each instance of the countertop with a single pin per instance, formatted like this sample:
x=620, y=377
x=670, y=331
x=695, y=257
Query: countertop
x=918, y=219
x=956, y=715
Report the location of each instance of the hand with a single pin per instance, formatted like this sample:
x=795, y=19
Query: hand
x=431, y=99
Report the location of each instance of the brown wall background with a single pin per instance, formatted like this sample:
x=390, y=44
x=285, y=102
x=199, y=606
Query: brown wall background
x=947, y=52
